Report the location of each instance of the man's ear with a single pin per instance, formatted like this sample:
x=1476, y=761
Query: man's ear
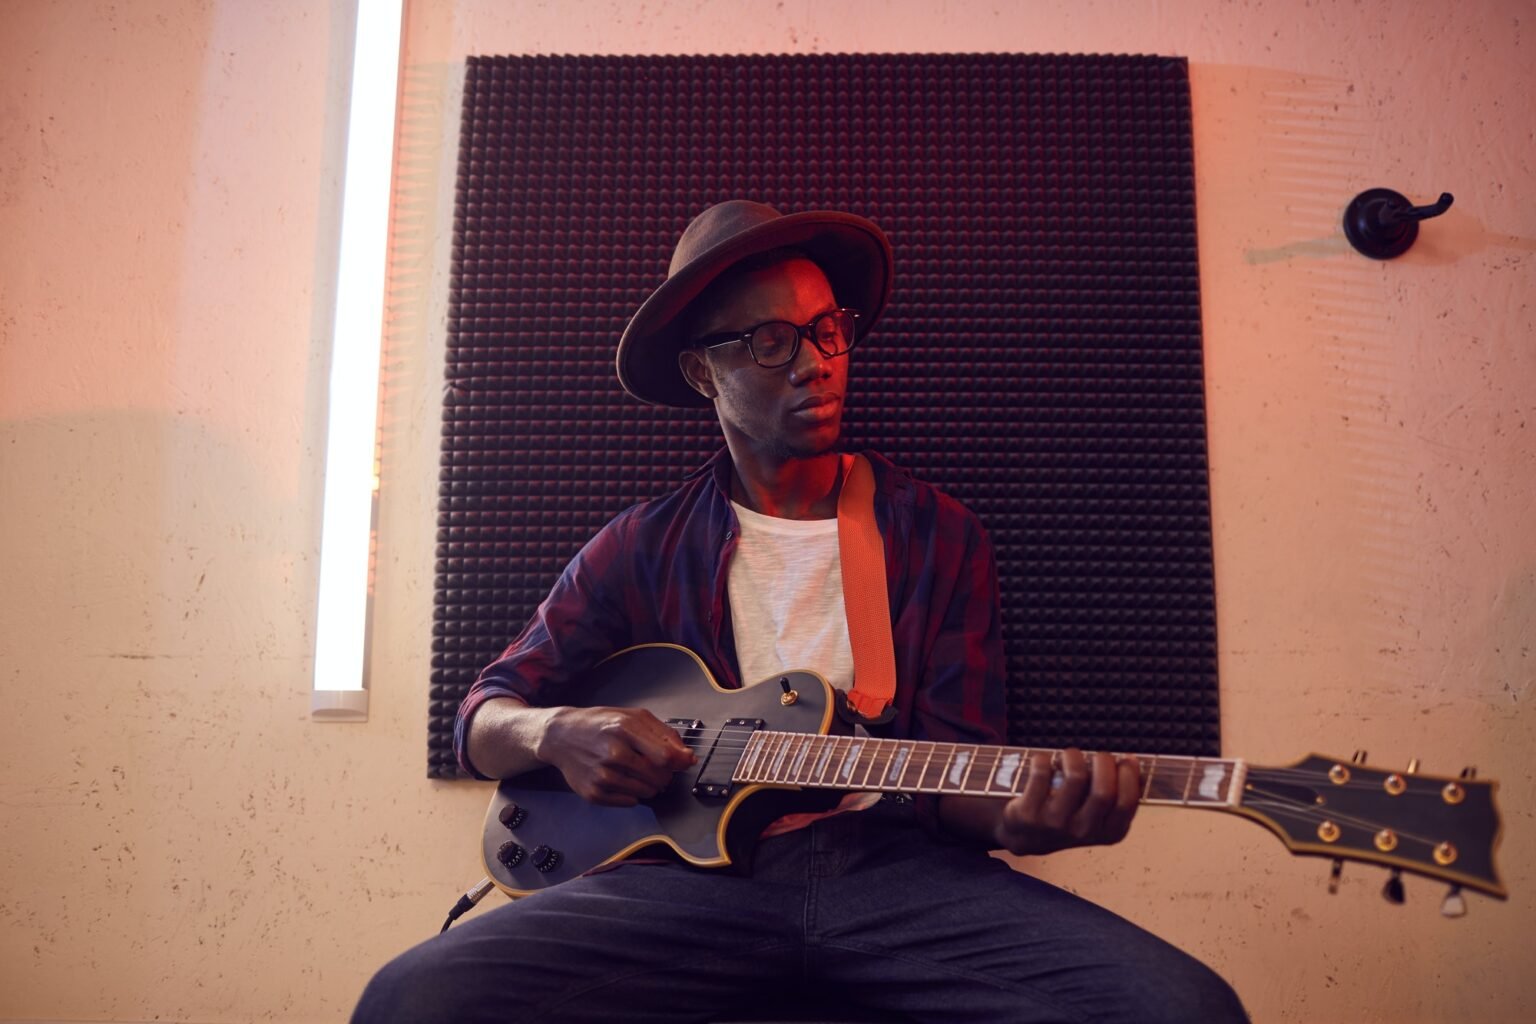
x=696, y=371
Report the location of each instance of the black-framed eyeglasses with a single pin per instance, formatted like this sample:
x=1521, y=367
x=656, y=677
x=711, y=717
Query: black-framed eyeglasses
x=777, y=342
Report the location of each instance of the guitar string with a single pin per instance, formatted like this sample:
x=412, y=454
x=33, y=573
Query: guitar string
x=1311, y=812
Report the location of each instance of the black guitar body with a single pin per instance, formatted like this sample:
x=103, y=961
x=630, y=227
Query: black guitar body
x=556, y=835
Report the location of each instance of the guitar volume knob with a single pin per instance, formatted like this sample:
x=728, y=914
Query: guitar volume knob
x=512, y=816
x=510, y=854
x=545, y=858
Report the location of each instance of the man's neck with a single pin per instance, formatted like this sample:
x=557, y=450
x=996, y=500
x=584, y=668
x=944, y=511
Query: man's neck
x=789, y=488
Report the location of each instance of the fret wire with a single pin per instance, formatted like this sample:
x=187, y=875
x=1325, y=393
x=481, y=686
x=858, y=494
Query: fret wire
x=802, y=747
x=970, y=766
x=999, y=757
x=740, y=774
x=892, y=749
x=979, y=755
x=1189, y=778
x=867, y=757
x=764, y=755
x=879, y=762
x=844, y=772
x=949, y=766
x=1025, y=755
x=1146, y=785
x=829, y=745
x=780, y=756
x=895, y=778
x=922, y=775
x=812, y=750
x=757, y=754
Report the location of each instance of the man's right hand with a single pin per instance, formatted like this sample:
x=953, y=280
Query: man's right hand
x=613, y=756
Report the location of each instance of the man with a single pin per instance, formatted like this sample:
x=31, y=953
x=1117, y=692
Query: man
x=891, y=903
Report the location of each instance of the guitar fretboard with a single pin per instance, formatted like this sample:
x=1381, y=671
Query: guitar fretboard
x=921, y=766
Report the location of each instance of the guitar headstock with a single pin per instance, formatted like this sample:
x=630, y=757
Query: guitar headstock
x=1438, y=826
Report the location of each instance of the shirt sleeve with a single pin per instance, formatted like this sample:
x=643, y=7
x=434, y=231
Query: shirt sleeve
x=582, y=621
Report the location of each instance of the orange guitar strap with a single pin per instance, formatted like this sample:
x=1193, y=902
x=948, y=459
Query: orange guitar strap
x=865, y=598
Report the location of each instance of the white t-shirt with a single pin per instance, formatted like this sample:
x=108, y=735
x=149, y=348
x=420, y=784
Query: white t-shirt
x=786, y=588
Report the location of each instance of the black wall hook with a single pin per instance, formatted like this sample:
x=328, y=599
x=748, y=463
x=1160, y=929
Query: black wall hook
x=1382, y=223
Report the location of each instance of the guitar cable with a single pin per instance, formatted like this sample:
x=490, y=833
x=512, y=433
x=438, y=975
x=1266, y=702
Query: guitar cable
x=475, y=894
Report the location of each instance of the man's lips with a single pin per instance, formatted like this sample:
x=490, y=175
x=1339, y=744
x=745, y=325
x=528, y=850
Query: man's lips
x=815, y=402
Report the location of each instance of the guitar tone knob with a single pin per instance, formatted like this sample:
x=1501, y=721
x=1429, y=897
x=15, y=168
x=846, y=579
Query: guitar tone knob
x=545, y=858
x=510, y=854
x=512, y=816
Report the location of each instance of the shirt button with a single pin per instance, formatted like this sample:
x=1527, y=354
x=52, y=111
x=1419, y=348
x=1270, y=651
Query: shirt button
x=729, y=534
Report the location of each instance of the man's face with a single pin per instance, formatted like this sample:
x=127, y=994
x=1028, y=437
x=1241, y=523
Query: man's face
x=792, y=411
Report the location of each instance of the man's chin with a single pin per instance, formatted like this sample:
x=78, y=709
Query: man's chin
x=823, y=442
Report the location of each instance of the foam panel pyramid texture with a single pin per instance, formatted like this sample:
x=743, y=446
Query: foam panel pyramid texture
x=1040, y=360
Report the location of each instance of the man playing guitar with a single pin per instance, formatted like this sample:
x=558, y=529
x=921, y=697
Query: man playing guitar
x=892, y=902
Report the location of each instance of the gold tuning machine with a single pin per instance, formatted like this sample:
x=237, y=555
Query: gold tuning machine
x=1455, y=905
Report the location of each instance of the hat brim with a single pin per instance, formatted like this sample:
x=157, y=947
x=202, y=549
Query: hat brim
x=851, y=251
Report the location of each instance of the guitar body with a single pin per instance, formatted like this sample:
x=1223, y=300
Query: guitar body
x=675, y=686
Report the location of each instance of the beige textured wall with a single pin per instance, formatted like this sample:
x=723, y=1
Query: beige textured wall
x=181, y=843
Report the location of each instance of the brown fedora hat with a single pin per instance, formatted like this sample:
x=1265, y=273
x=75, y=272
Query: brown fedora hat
x=853, y=253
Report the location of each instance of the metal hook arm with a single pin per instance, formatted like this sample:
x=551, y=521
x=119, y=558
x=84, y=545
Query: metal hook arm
x=1391, y=213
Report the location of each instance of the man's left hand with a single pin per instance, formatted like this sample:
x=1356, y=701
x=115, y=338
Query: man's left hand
x=1082, y=801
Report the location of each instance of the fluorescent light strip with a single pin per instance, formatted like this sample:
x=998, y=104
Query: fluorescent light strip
x=351, y=480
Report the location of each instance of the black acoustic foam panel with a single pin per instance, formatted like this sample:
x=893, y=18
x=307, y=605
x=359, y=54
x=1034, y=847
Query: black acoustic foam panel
x=1040, y=360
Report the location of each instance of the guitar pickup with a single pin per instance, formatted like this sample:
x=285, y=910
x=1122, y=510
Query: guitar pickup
x=714, y=778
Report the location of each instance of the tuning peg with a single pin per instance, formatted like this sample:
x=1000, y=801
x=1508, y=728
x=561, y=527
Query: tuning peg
x=1359, y=757
x=1454, y=905
x=1469, y=772
x=1413, y=766
x=1333, y=876
x=1392, y=892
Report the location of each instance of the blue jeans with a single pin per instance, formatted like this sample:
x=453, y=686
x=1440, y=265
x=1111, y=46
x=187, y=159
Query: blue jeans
x=864, y=904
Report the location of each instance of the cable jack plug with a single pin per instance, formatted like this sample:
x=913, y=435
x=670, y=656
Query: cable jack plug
x=475, y=894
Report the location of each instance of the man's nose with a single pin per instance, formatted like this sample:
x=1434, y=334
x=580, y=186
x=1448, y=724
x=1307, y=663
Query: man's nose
x=809, y=362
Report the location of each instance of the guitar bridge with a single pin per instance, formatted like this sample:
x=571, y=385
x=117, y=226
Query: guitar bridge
x=714, y=778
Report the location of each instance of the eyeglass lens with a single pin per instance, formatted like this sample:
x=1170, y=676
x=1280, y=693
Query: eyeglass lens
x=774, y=344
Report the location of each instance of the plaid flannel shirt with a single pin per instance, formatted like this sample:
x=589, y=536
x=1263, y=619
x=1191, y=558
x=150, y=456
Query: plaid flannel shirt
x=657, y=574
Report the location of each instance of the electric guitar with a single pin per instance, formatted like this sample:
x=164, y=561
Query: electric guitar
x=775, y=736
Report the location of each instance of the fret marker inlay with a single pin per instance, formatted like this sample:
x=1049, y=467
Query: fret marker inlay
x=1210, y=786
x=956, y=773
x=1006, y=769
x=853, y=756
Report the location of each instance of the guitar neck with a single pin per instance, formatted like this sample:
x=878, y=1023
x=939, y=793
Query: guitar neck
x=921, y=766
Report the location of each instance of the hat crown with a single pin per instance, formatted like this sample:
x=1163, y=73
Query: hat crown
x=717, y=225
